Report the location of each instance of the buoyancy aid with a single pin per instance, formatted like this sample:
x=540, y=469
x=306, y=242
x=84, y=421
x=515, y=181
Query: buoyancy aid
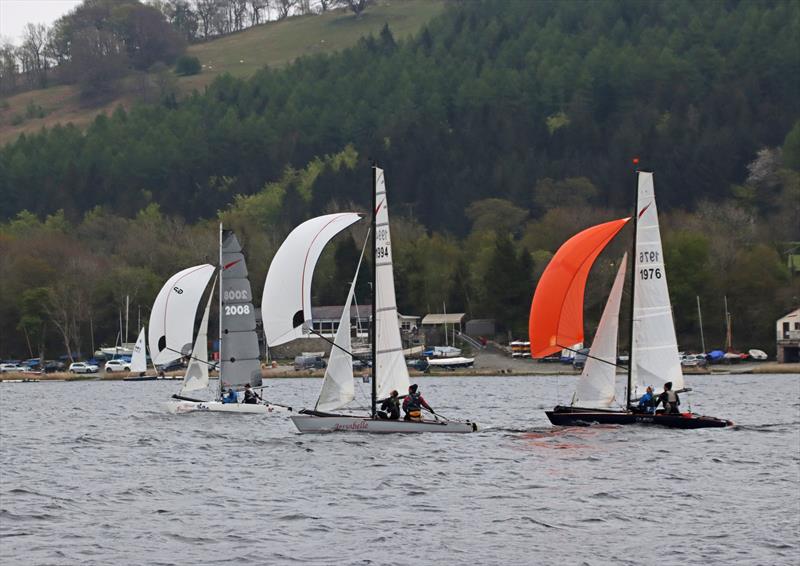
x=413, y=401
x=672, y=397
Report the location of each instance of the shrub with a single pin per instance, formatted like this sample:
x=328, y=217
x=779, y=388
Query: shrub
x=187, y=65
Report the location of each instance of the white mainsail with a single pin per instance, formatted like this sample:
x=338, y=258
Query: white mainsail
x=286, y=299
x=337, y=386
x=197, y=372
x=139, y=355
x=391, y=370
x=173, y=314
x=596, y=385
x=654, y=353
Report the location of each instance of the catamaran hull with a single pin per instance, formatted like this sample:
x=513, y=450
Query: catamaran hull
x=182, y=407
x=344, y=423
x=568, y=416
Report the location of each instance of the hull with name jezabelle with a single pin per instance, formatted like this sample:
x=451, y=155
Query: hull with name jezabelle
x=574, y=416
x=180, y=407
x=311, y=423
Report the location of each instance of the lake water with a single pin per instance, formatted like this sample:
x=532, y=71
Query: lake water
x=96, y=473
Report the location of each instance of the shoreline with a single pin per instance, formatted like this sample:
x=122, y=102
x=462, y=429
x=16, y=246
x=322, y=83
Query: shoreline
x=536, y=370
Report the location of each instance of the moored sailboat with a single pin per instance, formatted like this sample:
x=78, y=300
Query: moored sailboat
x=556, y=319
x=389, y=370
x=139, y=361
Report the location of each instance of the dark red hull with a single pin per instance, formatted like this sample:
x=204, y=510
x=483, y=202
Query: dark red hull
x=573, y=416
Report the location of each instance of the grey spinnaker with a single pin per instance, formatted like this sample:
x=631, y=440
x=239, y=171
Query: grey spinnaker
x=239, y=351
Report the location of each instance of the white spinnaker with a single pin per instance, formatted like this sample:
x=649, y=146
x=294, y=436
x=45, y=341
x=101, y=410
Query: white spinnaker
x=286, y=300
x=139, y=356
x=197, y=372
x=390, y=368
x=337, y=386
x=596, y=385
x=173, y=313
x=654, y=355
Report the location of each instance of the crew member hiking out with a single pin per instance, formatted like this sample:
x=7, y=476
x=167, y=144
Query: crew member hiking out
x=390, y=408
x=413, y=403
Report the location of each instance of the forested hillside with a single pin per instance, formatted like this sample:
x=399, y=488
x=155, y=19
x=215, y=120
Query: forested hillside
x=504, y=127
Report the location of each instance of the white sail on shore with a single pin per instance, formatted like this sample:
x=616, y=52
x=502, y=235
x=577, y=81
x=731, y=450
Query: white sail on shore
x=596, y=385
x=173, y=314
x=139, y=355
x=654, y=353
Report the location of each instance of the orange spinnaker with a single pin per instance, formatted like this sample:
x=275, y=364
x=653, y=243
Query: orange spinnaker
x=556, y=318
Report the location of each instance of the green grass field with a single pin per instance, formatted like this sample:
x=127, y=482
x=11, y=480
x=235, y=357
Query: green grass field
x=240, y=54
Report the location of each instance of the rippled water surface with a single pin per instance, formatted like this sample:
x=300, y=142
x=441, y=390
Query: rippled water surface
x=96, y=473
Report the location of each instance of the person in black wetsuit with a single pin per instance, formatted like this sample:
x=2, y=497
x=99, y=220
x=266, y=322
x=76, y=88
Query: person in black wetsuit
x=250, y=396
x=390, y=408
x=669, y=399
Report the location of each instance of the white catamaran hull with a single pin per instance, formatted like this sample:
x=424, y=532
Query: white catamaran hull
x=181, y=407
x=344, y=423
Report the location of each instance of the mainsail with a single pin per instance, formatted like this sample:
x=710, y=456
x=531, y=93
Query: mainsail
x=390, y=362
x=337, y=386
x=239, y=356
x=197, y=371
x=556, y=318
x=596, y=386
x=286, y=299
x=173, y=314
x=139, y=356
x=654, y=355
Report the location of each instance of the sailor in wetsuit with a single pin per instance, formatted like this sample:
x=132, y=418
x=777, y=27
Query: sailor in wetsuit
x=413, y=404
x=250, y=396
x=230, y=397
x=390, y=408
x=669, y=399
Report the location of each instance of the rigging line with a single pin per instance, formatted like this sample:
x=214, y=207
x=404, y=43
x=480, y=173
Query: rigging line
x=209, y=364
x=593, y=357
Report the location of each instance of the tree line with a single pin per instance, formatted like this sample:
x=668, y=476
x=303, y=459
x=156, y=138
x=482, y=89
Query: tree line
x=102, y=40
x=504, y=128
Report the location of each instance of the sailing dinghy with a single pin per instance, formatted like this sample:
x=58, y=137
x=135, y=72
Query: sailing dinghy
x=239, y=353
x=139, y=361
x=389, y=370
x=556, y=319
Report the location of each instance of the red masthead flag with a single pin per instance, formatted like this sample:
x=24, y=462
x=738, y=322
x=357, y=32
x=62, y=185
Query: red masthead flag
x=556, y=319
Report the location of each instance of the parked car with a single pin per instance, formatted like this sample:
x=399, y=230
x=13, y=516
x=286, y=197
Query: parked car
x=4, y=368
x=82, y=367
x=54, y=366
x=693, y=360
x=309, y=362
x=580, y=358
x=117, y=365
x=173, y=366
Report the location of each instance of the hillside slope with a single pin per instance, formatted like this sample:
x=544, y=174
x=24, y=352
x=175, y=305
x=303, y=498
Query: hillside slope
x=241, y=54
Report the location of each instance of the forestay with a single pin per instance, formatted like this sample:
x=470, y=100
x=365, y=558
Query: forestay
x=337, y=386
x=286, y=300
x=390, y=365
x=654, y=356
x=139, y=356
x=173, y=314
x=239, y=358
x=197, y=371
x=596, y=385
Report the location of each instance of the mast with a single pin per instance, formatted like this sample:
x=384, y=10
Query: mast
x=633, y=285
x=728, y=334
x=374, y=292
x=219, y=342
x=700, y=319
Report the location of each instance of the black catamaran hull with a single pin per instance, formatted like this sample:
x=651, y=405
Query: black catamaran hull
x=571, y=416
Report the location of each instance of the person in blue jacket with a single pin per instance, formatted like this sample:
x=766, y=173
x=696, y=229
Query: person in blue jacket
x=230, y=397
x=646, y=401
